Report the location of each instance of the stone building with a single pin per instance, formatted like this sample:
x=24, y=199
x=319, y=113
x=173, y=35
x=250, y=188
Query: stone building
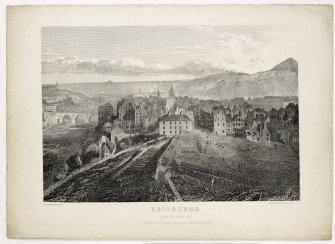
x=172, y=124
x=205, y=119
x=105, y=114
x=126, y=113
x=259, y=133
x=220, y=122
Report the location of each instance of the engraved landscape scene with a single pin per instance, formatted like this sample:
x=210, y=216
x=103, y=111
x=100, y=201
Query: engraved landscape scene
x=170, y=113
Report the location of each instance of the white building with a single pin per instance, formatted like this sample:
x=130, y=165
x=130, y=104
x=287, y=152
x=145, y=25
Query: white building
x=50, y=108
x=172, y=124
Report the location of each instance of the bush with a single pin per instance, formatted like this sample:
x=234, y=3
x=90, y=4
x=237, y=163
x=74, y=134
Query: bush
x=92, y=151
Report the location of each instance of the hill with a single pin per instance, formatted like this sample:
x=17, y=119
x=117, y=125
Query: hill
x=288, y=64
x=281, y=80
x=74, y=95
x=120, y=88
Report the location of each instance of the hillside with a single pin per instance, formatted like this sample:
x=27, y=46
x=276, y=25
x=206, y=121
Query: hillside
x=120, y=88
x=288, y=64
x=281, y=80
x=75, y=95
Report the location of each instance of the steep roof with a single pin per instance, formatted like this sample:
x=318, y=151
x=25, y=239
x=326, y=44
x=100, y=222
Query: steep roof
x=175, y=117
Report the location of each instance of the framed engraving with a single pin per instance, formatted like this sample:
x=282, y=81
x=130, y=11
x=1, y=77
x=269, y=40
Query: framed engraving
x=160, y=117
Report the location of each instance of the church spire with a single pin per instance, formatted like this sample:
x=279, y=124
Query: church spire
x=158, y=94
x=171, y=91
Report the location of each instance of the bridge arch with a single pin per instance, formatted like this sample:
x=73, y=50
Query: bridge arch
x=93, y=119
x=66, y=119
x=80, y=119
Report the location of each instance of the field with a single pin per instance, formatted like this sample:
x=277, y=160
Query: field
x=232, y=160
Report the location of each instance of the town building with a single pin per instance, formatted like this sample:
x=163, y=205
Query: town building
x=105, y=114
x=220, y=122
x=206, y=119
x=237, y=123
x=126, y=113
x=173, y=124
x=259, y=133
x=50, y=108
x=141, y=112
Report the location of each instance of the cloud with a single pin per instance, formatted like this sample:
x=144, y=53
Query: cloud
x=204, y=30
x=201, y=46
x=120, y=66
x=128, y=62
x=164, y=52
x=233, y=40
x=47, y=54
x=160, y=66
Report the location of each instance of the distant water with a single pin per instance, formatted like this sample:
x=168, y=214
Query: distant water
x=66, y=78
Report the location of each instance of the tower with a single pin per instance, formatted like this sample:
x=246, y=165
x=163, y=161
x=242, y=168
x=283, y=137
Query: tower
x=158, y=94
x=57, y=86
x=171, y=92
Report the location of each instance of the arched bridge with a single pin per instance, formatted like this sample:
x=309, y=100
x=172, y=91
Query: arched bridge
x=76, y=118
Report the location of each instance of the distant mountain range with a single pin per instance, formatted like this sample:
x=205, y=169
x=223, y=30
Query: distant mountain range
x=281, y=80
x=114, y=90
x=198, y=67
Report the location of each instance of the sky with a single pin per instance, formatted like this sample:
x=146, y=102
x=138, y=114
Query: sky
x=248, y=49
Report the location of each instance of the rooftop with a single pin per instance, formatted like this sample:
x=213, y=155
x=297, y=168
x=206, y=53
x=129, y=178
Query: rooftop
x=175, y=117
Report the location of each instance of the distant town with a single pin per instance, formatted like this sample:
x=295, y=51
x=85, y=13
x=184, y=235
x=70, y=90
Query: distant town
x=178, y=140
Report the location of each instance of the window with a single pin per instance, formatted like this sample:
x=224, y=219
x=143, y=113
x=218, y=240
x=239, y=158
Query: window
x=180, y=123
x=163, y=127
x=164, y=132
x=223, y=131
x=170, y=132
x=170, y=122
x=163, y=123
x=175, y=122
x=175, y=127
x=222, y=124
x=179, y=132
x=218, y=124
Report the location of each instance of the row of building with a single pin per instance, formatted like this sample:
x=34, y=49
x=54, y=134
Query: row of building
x=142, y=112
